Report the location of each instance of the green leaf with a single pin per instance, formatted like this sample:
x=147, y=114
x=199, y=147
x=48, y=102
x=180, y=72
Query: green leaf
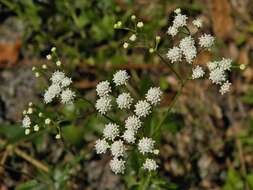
x=73, y=134
x=233, y=181
x=29, y=185
x=13, y=133
x=173, y=123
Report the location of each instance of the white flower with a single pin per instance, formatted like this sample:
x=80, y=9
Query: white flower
x=212, y=65
x=197, y=22
x=120, y=78
x=133, y=123
x=177, y=11
x=49, y=57
x=180, y=20
x=53, y=49
x=117, y=165
x=187, y=46
x=47, y=121
x=67, y=96
x=197, y=72
x=103, y=88
x=101, y=146
x=140, y=24
x=206, y=41
x=226, y=64
x=57, y=77
x=44, y=66
x=142, y=108
x=129, y=136
x=150, y=165
x=27, y=131
x=52, y=91
x=217, y=76
x=125, y=45
x=26, y=122
x=37, y=74
x=154, y=95
x=111, y=131
x=118, y=148
x=225, y=87
x=124, y=100
x=29, y=111
x=36, y=128
x=146, y=145
x=132, y=38
x=66, y=81
x=58, y=63
x=103, y=104
x=174, y=54
x=172, y=31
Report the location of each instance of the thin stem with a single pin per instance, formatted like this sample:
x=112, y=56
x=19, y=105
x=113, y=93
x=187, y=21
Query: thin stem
x=105, y=116
x=170, y=66
x=173, y=101
x=146, y=182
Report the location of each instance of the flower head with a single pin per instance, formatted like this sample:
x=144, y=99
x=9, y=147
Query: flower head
x=67, y=96
x=226, y=64
x=146, y=145
x=129, y=136
x=103, y=104
x=120, y=78
x=154, y=95
x=197, y=22
x=206, y=41
x=197, y=72
x=57, y=77
x=111, y=131
x=103, y=88
x=150, y=165
x=101, y=146
x=180, y=20
x=187, y=46
x=52, y=91
x=117, y=165
x=174, y=54
x=225, y=87
x=142, y=108
x=124, y=101
x=26, y=122
x=66, y=81
x=217, y=76
x=172, y=31
x=118, y=148
x=133, y=123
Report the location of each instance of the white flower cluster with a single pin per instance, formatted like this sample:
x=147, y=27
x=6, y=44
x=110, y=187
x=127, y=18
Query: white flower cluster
x=180, y=20
x=59, y=88
x=187, y=49
x=27, y=122
x=218, y=73
x=117, y=138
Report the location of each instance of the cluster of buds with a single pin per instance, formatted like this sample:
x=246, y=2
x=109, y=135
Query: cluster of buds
x=32, y=114
x=118, y=137
x=59, y=88
x=188, y=48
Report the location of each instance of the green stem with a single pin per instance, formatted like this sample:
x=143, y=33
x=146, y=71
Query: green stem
x=173, y=101
x=145, y=185
x=170, y=66
x=105, y=116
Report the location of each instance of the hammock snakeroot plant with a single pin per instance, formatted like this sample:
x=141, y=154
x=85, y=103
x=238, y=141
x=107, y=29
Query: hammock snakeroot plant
x=121, y=137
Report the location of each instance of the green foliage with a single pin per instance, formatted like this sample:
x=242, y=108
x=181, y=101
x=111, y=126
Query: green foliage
x=233, y=181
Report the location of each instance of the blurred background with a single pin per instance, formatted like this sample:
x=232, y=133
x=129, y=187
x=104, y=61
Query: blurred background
x=207, y=141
